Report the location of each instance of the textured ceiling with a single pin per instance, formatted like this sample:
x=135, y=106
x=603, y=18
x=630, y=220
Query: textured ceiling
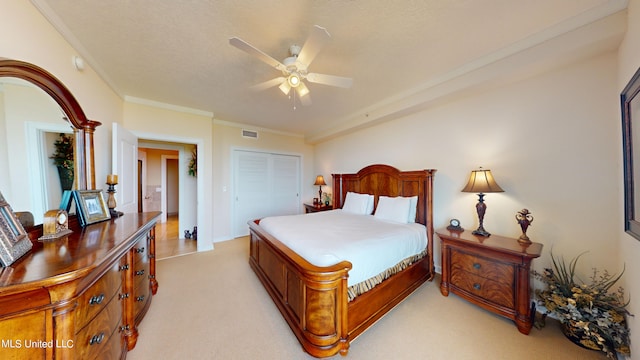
x=177, y=52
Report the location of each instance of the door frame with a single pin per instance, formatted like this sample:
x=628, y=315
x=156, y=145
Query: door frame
x=204, y=230
x=163, y=186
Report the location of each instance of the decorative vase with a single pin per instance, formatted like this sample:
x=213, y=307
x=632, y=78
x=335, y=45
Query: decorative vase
x=66, y=177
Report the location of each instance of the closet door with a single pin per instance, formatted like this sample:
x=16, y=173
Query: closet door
x=265, y=184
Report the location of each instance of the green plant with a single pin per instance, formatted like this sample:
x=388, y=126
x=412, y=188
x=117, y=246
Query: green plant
x=63, y=154
x=591, y=313
x=193, y=164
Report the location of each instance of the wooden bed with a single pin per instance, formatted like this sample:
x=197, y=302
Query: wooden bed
x=313, y=300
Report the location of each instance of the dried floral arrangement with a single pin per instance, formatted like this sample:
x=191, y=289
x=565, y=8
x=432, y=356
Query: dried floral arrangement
x=592, y=314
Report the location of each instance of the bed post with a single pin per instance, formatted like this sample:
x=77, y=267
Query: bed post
x=429, y=219
x=338, y=196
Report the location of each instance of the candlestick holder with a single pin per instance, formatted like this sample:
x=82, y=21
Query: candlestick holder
x=112, y=181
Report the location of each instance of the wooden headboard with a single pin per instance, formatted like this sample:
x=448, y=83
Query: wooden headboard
x=386, y=180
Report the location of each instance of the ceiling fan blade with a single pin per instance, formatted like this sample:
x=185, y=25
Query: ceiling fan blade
x=267, y=84
x=249, y=49
x=330, y=80
x=315, y=42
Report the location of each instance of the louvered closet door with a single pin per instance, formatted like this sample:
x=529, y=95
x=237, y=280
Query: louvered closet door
x=265, y=184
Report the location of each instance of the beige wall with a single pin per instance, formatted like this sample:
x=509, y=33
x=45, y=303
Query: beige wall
x=228, y=137
x=629, y=247
x=552, y=142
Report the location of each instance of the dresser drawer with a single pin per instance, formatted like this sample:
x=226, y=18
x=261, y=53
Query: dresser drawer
x=97, y=296
x=491, y=290
x=95, y=338
x=142, y=294
x=141, y=251
x=486, y=268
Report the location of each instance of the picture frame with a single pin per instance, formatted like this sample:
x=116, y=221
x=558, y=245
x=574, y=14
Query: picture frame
x=65, y=203
x=630, y=106
x=90, y=206
x=14, y=241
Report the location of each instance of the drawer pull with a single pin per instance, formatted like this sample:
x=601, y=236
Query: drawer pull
x=123, y=296
x=124, y=267
x=140, y=250
x=140, y=272
x=476, y=286
x=124, y=328
x=140, y=298
x=476, y=266
x=96, y=339
x=96, y=299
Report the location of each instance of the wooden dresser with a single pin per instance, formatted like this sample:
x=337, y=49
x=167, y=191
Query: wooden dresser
x=491, y=272
x=82, y=296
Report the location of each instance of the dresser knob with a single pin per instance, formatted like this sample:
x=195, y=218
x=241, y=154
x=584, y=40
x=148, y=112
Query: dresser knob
x=124, y=328
x=96, y=339
x=140, y=272
x=476, y=266
x=476, y=286
x=140, y=298
x=140, y=250
x=96, y=299
x=124, y=267
x=123, y=296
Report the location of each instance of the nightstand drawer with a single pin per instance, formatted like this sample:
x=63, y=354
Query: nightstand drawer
x=493, y=291
x=477, y=265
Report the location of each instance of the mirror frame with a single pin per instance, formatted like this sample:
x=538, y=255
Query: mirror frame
x=630, y=121
x=83, y=128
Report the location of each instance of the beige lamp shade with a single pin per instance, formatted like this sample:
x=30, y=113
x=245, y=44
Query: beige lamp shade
x=320, y=181
x=481, y=181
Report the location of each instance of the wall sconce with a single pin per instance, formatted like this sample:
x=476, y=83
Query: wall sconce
x=319, y=182
x=481, y=181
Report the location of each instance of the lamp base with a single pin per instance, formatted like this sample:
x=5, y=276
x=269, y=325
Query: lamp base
x=481, y=232
x=114, y=213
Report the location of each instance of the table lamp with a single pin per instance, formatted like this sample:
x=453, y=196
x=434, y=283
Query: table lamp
x=481, y=181
x=319, y=182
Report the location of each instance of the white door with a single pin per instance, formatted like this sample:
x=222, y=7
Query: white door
x=265, y=184
x=125, y=165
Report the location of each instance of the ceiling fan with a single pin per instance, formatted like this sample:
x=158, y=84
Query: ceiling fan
x=295, y=68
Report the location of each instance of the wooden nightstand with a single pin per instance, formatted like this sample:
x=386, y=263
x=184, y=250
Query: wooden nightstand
x=491, y=272
x=308, y=208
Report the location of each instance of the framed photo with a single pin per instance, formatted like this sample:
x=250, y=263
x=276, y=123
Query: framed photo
x=630, y=103
x=90, y=206
x=14, y=241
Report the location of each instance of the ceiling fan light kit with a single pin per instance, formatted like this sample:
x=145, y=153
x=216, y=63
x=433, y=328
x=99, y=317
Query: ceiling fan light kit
x=294, y=68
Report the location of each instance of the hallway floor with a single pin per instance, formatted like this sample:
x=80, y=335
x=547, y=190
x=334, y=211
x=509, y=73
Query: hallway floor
x=167, y=242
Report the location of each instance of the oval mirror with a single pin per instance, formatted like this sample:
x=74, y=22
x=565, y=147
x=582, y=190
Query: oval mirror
x=35, y=109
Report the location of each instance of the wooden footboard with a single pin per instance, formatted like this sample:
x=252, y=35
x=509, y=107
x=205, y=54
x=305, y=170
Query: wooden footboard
x=313, y=300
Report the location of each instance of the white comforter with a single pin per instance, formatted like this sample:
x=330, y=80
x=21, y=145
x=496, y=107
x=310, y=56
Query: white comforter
x=326, y=238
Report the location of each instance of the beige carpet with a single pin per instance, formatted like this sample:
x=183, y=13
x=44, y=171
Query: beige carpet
x=211, y=306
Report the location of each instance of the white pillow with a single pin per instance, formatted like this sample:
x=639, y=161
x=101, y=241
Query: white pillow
x=413, y=209
x=357, y=203
x=394, y=209
x=372, y=200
